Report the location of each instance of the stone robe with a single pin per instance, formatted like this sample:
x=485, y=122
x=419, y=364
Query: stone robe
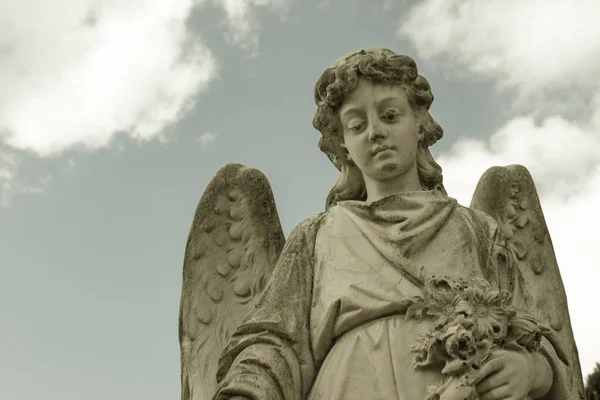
x=330, y=324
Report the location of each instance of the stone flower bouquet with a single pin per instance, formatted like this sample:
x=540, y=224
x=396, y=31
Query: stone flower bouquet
x=470, y=321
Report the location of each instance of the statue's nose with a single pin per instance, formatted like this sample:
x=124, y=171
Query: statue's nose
x=377, y=132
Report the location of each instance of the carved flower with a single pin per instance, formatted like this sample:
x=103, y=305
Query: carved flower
x=526, y=332
x=470, y=320
x=430, y=350
x=460, y=320
x=493, y=326
x=491, y=310
x=465, y=308
x=459, y=342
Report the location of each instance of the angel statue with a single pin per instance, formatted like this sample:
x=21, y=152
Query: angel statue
x=396, y=291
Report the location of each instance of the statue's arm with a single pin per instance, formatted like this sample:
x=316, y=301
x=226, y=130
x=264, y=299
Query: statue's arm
x=269, y=356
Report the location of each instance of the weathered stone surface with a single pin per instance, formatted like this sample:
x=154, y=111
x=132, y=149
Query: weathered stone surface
x=396, y=290
x=233, y=245
x=509, y=195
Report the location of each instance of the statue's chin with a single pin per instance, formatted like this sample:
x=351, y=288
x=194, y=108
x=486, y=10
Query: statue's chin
x=389, y=167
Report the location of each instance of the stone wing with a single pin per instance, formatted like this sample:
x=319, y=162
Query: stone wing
x=232, y=248
x=509, y=195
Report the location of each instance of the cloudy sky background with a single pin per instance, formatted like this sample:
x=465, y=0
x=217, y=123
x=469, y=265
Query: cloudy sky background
x=115, y=115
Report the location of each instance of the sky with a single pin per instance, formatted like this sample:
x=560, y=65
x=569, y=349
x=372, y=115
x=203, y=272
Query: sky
x=115, y=115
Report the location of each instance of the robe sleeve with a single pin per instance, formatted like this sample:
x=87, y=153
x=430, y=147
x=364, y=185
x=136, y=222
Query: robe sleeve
x=269, y=356
x=510, y=278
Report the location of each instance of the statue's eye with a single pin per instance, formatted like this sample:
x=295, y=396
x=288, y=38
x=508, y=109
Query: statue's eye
x=390, y=115
x=356, y=126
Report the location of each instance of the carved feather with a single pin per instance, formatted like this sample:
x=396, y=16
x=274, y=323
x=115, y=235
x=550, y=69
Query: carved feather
x=509, y=195
x=232, y=248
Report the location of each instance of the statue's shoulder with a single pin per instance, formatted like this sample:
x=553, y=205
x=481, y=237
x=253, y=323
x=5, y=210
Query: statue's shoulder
x=313, y=223
x=478, y=218
x=310, y=227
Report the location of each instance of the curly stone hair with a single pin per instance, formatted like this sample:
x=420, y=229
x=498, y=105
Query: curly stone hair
x=378, y=65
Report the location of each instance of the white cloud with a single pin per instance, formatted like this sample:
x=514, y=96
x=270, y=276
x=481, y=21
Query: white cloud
x=244, y=27
x=207, y=139
x=559, y=154
x=549, y=51
x=525, y=43
x=76, y=73
x=67, y=83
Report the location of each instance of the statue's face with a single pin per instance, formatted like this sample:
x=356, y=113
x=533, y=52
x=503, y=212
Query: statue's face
x=380, y=130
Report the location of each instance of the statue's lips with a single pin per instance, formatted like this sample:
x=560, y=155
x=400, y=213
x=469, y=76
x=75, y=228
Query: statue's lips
x=379, y=149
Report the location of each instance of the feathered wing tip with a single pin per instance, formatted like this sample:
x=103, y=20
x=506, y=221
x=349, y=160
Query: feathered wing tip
x=508, y=194
x=232, y=248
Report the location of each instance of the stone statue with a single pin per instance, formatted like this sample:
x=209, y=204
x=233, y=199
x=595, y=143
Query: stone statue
x=395, y=291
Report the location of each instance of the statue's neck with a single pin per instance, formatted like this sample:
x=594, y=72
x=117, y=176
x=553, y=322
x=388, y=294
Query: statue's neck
x=378, y=189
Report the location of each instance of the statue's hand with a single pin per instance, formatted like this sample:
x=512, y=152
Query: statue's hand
x=512, y=375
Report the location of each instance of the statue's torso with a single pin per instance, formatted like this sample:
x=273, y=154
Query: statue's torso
x=357, y=319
